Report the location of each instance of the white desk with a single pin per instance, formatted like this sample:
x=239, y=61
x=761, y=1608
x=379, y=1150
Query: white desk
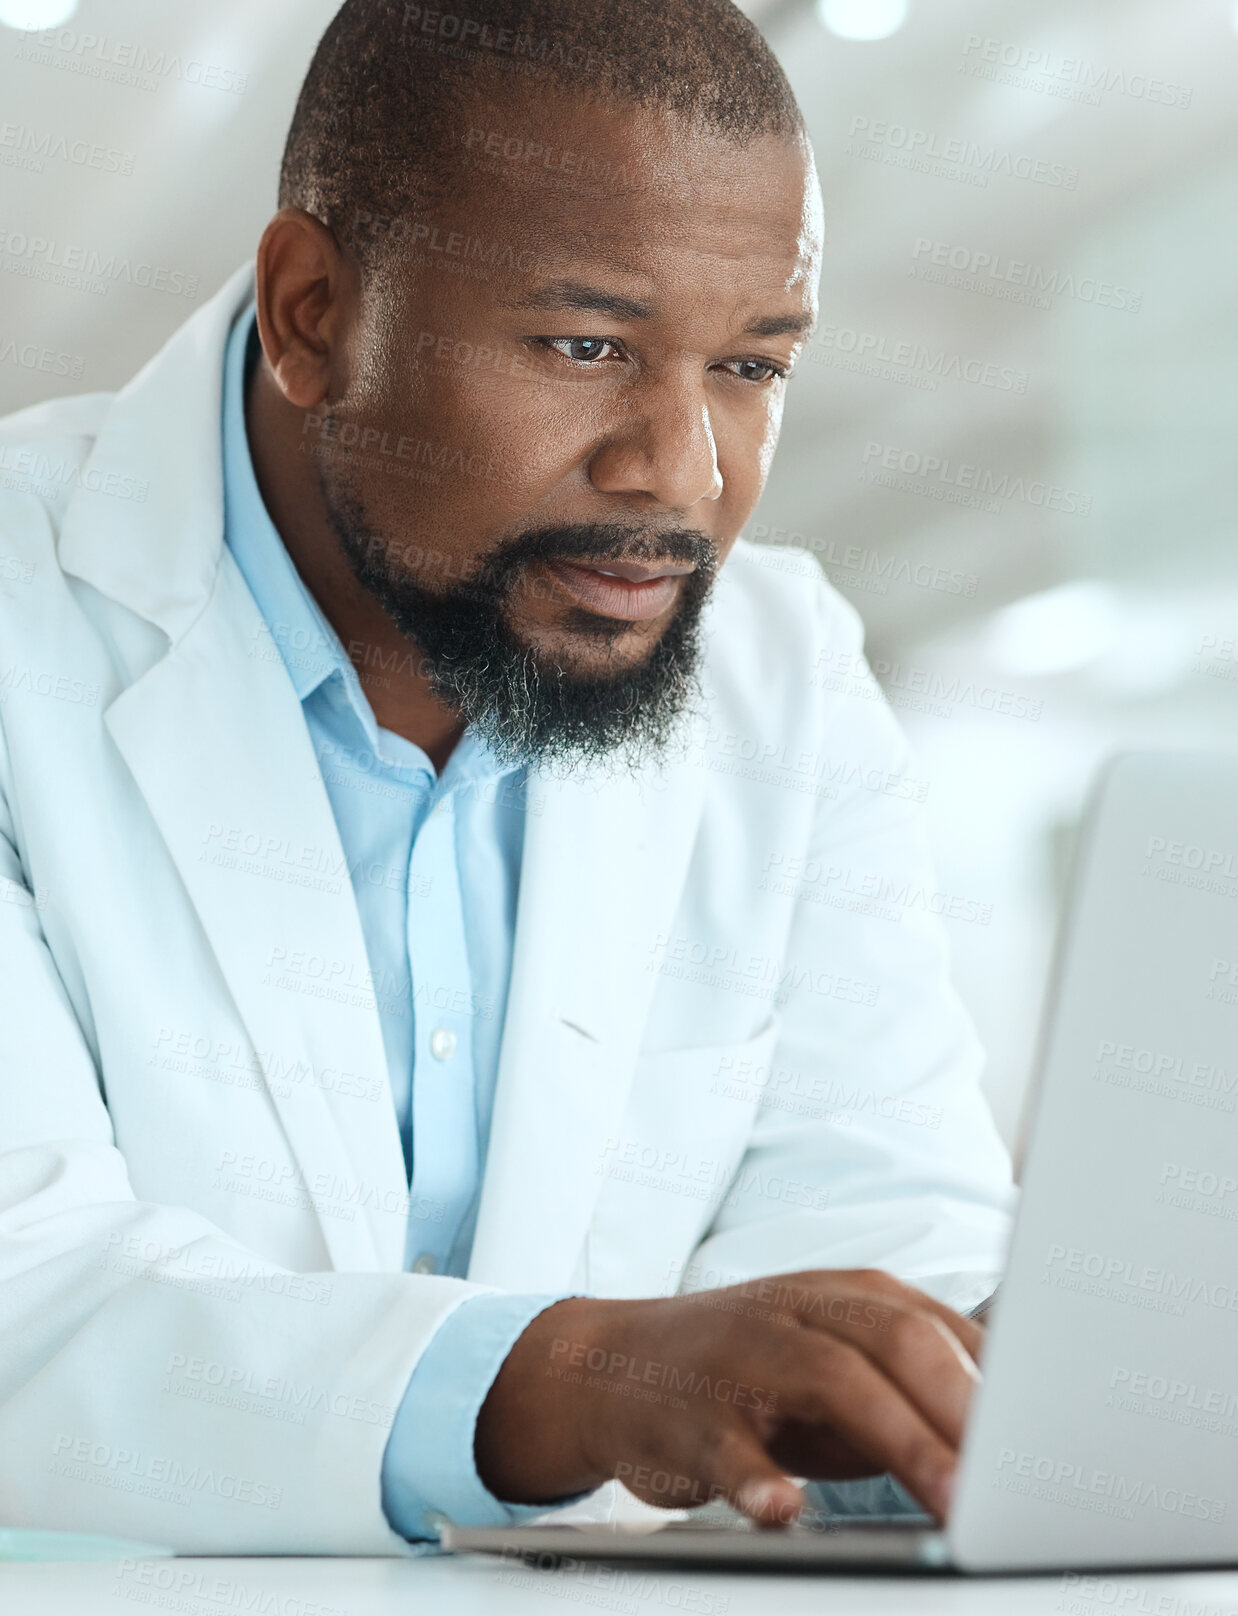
x=481, y=1587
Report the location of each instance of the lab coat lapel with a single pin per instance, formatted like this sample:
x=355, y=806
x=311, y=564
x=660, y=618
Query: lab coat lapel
x=216, y=740
x=605, y=859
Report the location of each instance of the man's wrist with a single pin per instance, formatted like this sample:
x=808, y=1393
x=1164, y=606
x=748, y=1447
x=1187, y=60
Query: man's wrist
x=530, y=1446
x=428, y=1468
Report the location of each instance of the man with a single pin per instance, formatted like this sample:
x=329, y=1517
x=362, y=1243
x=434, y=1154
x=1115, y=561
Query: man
x=432, y=997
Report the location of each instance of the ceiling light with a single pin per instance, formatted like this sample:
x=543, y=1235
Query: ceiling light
x=31, y=14
x=862, y=19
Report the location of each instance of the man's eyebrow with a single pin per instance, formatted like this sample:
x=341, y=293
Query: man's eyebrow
x=583, y=299
x=780, y=325
x=575, y=295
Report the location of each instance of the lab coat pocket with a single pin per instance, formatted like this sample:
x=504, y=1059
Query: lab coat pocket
x=668, y=1166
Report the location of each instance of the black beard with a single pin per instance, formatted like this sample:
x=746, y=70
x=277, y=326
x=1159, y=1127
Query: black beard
x=527, y=710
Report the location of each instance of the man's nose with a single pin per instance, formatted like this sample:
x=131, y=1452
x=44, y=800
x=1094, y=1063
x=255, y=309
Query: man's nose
x=665, y=449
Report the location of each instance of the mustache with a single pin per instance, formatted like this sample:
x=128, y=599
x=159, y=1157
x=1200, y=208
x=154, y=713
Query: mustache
x=594, y=542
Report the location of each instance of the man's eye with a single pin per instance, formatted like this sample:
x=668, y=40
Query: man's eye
x=757, y=370
x=582, y=349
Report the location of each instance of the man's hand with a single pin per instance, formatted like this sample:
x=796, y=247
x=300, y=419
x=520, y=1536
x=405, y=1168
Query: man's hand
x=725, y=1394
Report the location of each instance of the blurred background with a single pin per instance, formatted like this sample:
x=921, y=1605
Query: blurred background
x=1011, y=443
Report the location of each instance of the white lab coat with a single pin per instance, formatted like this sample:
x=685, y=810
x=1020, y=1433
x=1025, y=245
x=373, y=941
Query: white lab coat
x=204, y=1325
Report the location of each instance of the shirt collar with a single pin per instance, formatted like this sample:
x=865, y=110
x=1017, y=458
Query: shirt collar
x=310, y=647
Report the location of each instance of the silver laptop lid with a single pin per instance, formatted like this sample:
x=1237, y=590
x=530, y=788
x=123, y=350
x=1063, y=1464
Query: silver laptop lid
x=1107, y=1428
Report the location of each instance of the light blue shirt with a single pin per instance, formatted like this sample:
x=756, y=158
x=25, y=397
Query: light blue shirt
x=435, y=866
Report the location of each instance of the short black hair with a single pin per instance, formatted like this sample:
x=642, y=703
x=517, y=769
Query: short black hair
x=377, y=126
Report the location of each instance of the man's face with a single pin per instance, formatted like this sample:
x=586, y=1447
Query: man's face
x=555, y=415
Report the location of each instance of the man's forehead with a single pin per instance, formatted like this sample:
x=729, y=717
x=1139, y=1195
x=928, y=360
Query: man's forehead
x=599, y=169
x=637, y=242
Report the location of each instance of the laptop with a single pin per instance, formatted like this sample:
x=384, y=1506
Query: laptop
x=1105, y=1432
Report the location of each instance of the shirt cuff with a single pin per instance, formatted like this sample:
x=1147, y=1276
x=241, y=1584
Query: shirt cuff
x=429, y=1474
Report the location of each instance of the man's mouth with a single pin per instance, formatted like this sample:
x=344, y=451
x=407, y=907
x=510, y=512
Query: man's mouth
x=631, y=590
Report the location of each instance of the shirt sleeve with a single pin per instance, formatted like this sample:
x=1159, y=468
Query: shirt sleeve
x=429, y=1475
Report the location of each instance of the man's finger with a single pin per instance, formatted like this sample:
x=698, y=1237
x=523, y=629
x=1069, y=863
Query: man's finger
x=750, y=1480
x=729, y=1463
x=845, y=1392
x=923, y=1358
x=817, y=1299
x=963, y=1328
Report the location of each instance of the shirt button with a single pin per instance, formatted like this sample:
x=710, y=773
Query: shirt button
x=425, y=1264
x=442, y=1043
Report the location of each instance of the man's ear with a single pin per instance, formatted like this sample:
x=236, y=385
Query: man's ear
x=306, y=288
